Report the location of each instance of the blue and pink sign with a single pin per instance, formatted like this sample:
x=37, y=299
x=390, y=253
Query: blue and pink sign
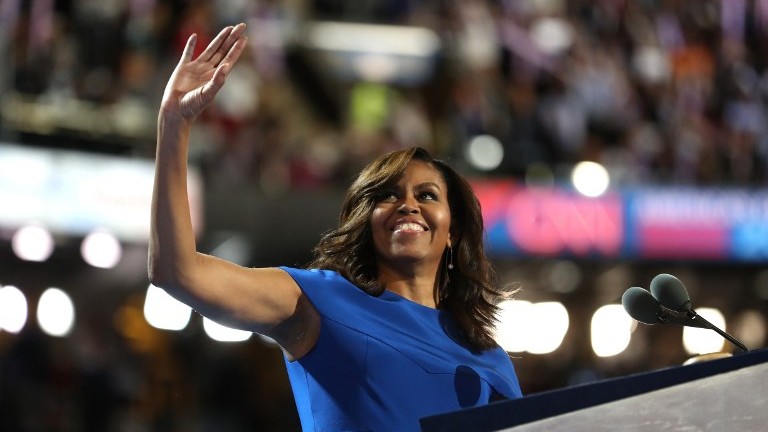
x=645, y=223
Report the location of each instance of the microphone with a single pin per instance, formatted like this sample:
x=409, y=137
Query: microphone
x=668, y=303
x=670, y=292
x=643, y=307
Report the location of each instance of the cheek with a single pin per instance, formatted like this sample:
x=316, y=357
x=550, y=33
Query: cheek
x=377, y=219
x=377, y=222
x=442, y=221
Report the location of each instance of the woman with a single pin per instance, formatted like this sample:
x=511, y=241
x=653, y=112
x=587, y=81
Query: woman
x=395, y=321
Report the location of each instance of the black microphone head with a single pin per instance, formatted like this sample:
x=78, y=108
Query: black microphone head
x=641, y=305
x=670, y=292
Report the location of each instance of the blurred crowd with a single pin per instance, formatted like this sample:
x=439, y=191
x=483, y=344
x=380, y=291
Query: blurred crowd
x=658, y=91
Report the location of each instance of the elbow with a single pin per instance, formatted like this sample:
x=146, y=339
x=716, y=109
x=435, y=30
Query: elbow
x=172, y=275
x=161, y=274
x=156, y=276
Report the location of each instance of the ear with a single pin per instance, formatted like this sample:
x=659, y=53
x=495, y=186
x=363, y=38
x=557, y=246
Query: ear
x=449, y=240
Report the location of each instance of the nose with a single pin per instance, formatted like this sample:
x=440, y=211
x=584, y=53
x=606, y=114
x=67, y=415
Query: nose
x=408, y=206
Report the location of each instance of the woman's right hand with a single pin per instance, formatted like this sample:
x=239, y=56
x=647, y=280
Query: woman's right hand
x=194, y=83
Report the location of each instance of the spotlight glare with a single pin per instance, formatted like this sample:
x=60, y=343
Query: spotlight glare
x=548, y=328
x=55, y=312
x=13, y=309
x=32, y=243
x=164, y=312
x=704, y=341
x=538, y=328
x=101, y=249
x=590, y=179
x=611, y=330
x=484, y=152
x=513, y=319
x=222, y=333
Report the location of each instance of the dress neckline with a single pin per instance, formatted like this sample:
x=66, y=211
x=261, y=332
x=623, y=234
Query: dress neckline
x=395, y=297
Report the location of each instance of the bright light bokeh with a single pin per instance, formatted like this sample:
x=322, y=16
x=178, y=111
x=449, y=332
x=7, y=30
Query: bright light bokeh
x=547, y=328
x=552, y=35
x=163, y=311
x=750, y=327
x=590, y=179
x=223, y=333
x=13, y=309
x=511, y=331
x=538, y=328
x=705, y=341
x=484, y=152
x=55, y=313
x=32, y=243
x=611, y=330
x=101, y=249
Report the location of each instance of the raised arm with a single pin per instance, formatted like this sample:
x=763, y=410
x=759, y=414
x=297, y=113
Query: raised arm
x=266, y=301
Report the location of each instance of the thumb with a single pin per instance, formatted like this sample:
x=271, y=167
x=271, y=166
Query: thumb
x=212, y=87
x=221, y=73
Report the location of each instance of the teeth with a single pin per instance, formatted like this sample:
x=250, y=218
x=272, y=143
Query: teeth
x=409, y=227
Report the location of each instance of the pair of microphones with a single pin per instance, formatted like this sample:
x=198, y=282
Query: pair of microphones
x=668, y=303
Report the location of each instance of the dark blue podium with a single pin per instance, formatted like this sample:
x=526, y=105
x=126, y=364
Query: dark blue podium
x=718, y=395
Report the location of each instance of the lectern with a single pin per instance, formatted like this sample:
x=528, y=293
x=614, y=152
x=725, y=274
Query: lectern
x=719, y=395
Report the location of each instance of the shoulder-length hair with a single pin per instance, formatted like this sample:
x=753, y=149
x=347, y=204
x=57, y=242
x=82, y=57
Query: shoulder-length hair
x=466, y=291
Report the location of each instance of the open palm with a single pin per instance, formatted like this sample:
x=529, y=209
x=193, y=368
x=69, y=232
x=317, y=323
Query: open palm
x=195, y=82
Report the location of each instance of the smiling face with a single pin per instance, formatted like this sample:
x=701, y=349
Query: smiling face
x=411, y=220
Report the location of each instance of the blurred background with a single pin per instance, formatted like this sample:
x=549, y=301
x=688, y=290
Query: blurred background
x=608, y=141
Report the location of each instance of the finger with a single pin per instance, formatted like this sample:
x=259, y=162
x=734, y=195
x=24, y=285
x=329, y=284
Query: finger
x=215, y=44
x=234, y=53
x=189, y=48
x=219, y=76
x=208, y=91
x=236, y=33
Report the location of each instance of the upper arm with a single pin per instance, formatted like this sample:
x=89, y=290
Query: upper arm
x=263, y=300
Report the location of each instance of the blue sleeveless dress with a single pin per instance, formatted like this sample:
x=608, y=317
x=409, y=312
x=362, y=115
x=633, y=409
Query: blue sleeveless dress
x=382, y=363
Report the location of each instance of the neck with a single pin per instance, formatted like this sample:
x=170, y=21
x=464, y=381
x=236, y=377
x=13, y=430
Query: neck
x=418, y=287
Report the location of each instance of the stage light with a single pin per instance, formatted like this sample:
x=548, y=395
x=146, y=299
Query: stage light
x=538, y=328
x=373, y=39
x=552, y=35
x=164, y=312
x=55, y=312
x=13, y=309
x=32, y=243
x=704, y=341
x=590, y=179
x=750, y=327
x=101, y=249
x=222, y=333
x=511, y=331
x=547, y=328
x=611, y=330
x=484, y=152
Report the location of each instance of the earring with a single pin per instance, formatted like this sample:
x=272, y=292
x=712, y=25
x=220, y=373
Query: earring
x=450, y=258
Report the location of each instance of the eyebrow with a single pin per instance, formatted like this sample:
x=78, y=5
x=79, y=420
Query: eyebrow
x=420, y=185
x=428, y=184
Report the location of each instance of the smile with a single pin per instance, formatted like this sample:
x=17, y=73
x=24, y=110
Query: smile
x=409, y=227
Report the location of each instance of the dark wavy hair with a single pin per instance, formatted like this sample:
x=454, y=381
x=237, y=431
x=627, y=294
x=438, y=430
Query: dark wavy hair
x=467, y=291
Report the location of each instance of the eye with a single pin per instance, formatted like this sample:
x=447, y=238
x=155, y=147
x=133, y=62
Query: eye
x=388, y=195
x=426, y=195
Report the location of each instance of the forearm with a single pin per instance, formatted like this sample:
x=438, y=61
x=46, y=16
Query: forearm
x=172, y=247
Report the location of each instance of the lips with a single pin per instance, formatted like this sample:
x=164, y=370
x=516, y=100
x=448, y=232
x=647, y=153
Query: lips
x=409, y=227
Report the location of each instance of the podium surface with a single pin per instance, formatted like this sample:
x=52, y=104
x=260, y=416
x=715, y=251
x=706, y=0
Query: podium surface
x=718, y=395
x=733, y=401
